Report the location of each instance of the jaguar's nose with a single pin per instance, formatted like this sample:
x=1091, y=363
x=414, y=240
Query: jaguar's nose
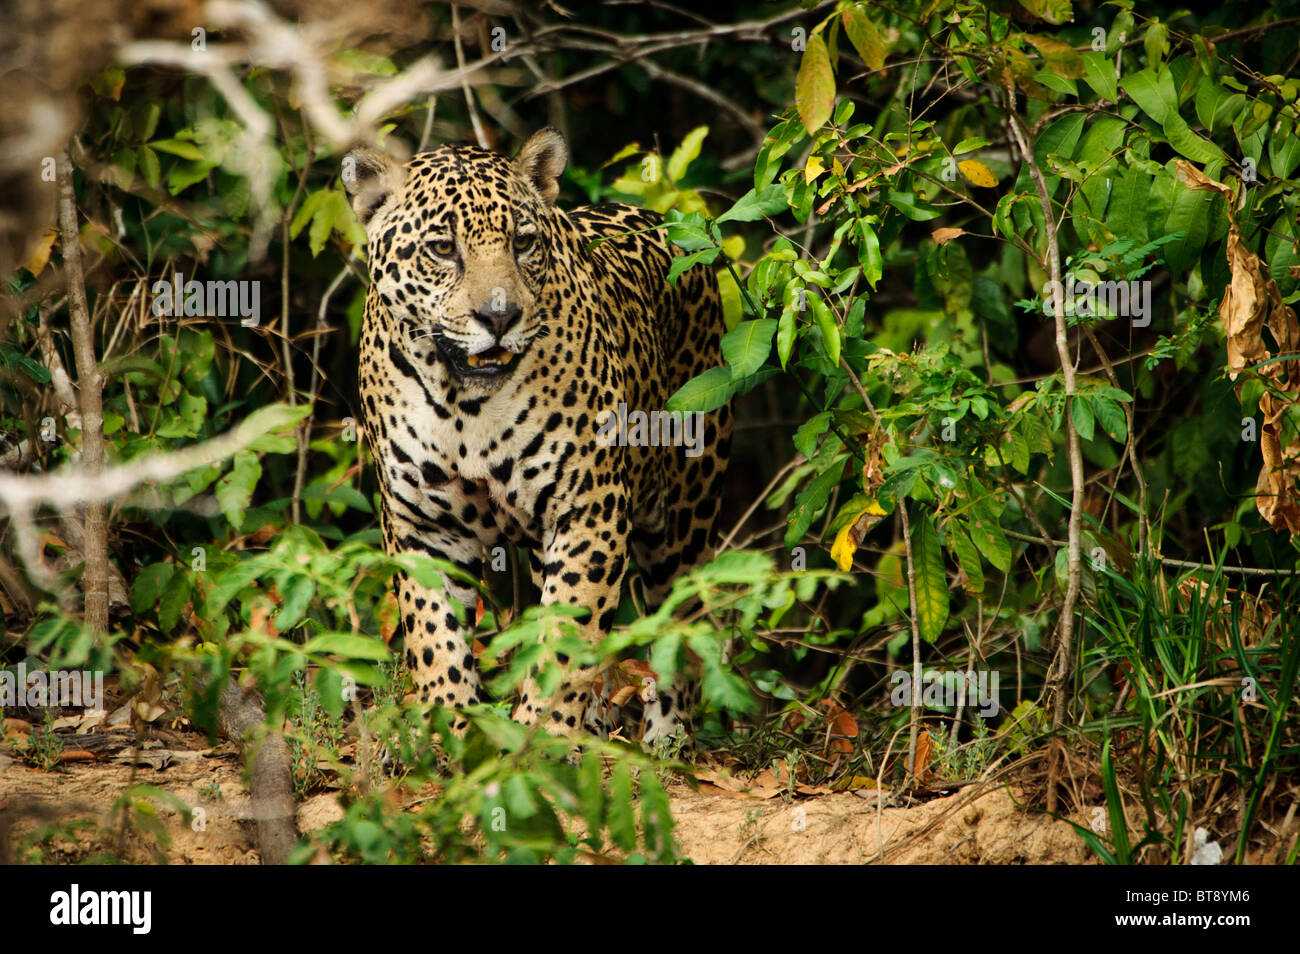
x=498, y=318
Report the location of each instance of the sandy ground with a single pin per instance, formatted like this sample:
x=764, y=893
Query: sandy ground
x=712, y=827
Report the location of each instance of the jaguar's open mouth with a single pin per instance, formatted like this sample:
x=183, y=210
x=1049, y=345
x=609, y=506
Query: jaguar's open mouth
x=494, y=362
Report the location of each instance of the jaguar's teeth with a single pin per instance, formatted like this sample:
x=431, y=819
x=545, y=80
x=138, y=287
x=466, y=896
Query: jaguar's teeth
x=474, y=360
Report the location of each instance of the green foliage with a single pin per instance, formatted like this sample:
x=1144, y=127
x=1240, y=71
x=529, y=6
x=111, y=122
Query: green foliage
x=884, y=268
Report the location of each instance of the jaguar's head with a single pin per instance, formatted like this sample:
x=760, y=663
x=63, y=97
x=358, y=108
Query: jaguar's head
x=460, y=248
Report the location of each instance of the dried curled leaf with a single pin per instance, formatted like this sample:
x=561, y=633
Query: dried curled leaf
x=1251, y=302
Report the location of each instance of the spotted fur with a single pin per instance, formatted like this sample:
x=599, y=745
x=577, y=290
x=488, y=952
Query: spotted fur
x=494, y=337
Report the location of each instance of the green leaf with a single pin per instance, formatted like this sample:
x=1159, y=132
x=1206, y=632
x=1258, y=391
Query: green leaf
x=988, y=537
x=621, y=815
x=704, y=392
x=688, y=232
x=1081, y=414
x=178, y=147
x=785, y=332
x=812, y=499
x=682, y=263
x=348, y=645
x=1155, y=42
x=174, y=596
x=1059, y=138
x=1059, y=57
x=273, y=417
x=1216, y=107
x=747, y=347
x=968, y=556
x=235, y=489
x=1284, y=149
x=296, y=599
x=931, y=580
x=1099, y=74
x=830, y=331
x=147, y=163
x=332, y=212
x=869, y=257
x=305, y=211
x=906, y=202
x=1126, y=213
x=970, y=145
x=1016, y=450
x=11, y=357
x=1115, y=808
x=814, y=91
x=1111, y=416
x=1192, y=145
x=756, y=204
x=518, y=797
x=865, y=38
x=1190, y=215
x=148, y=584
x=1055, y=12
x=805, y=438
x=1156, y=96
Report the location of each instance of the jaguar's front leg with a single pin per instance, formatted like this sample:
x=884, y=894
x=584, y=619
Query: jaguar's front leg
x=584, y=567
x=438, y=644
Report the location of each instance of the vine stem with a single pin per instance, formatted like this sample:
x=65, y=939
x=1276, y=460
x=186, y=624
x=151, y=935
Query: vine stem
x=1059, y=676
x=914, y=697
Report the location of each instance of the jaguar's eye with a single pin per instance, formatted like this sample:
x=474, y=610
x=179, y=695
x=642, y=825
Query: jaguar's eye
x=524, y=241
x=443, y=248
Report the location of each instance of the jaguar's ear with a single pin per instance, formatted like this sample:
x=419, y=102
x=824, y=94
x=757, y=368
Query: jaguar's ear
x=371, y=178
x=542, y=160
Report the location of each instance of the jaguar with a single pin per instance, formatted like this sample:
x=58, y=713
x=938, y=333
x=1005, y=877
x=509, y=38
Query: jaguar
x=499, y=335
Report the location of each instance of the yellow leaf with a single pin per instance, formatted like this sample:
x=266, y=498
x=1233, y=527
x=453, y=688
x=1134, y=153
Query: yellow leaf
x=813, y=168
x=631, y=149
x=732, y=309
x=851, y=534
x=686, y=153
x=733, y=247
x=814, y=87
x=40, y=253
x=978, y=173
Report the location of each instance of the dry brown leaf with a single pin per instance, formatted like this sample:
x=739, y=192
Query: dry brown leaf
x=1254, y=613
x=77, y=755
x=386, y=614
x=40, y=253
x=621, y=697
x=710, y=789
x=16, y=727
x=147, y=711
x=924, y=754
x=637, y=669
x=944, y=236
x=1252, y=301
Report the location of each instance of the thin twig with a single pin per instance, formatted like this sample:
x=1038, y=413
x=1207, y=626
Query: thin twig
x=480, y=134
x=915, y=695
x=1060, y=673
